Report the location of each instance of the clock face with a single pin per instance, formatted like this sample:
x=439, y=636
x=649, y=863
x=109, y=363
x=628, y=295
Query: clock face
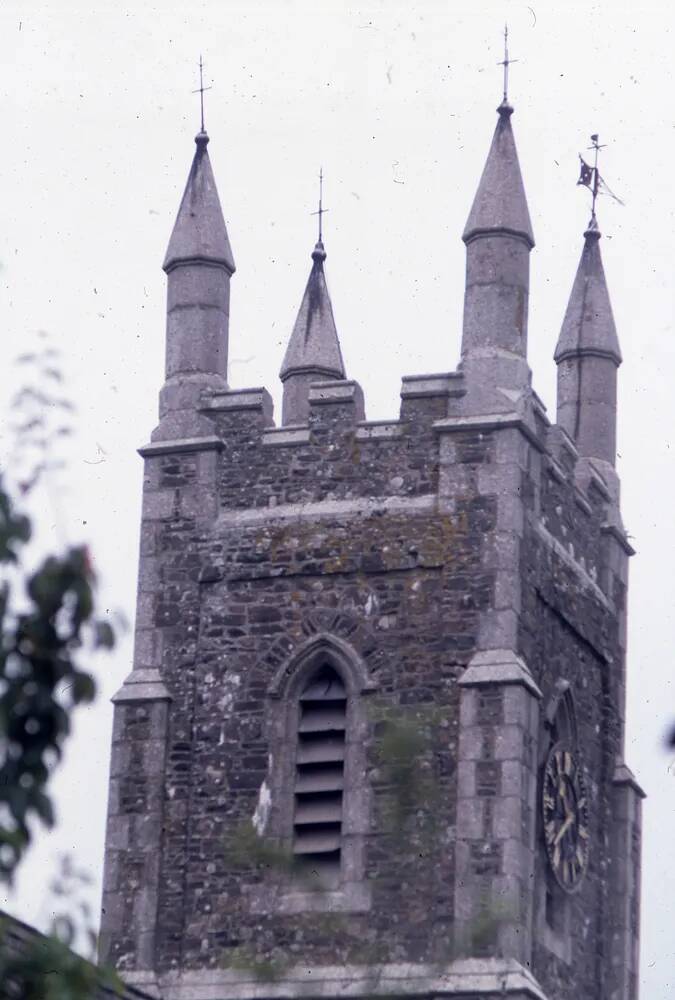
x=565, y=811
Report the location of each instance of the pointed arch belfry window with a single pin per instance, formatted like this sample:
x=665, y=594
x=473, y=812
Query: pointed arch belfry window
x=320, y=775
x=320, y=792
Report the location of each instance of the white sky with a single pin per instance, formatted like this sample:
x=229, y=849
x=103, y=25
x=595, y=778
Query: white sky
x=396, y=101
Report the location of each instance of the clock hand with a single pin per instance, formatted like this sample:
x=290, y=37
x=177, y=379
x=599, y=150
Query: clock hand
x=564, y=828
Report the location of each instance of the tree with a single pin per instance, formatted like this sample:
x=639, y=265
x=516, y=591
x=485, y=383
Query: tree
x=49, y=628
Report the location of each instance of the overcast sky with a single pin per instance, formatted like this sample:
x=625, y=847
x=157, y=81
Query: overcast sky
x=396, y=101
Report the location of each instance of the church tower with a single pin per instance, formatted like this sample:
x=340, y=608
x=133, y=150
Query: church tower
x=372, y=741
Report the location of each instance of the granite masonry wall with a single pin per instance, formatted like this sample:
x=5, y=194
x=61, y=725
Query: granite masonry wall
x=382, y=545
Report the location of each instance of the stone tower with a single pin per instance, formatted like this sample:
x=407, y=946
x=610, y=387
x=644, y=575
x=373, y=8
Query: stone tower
x=372, y=741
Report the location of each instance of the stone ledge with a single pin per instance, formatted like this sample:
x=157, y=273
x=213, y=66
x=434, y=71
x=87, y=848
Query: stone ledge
x=624, y=777
x=581, y=501
x=238, y=399
x=142, y=685
x=440, y=384
x=211, y=443
x=145, y=981
x=353, y=507
x=292, y=434
x=619, y=536
x=334, y=392
x=353, y=898
x=600, y=483
x=585, y=578
x=498, y=666
x=556, y=470
x=539, y=408
x=488, y=422
x=474, y=977
x=378, y=430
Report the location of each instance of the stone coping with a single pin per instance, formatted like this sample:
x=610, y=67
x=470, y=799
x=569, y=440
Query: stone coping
x=142, y=685
x=238, y=399
x=474, y=977
x=585, y=578
x=181, y=445
x=620, y=536
x=437, y=384
x=378, y=430
x=623, y=776
x=489, y=422
x=556, y=470
x=581, y=501
x=290, y=434
x=499, y=666
x=334, y=392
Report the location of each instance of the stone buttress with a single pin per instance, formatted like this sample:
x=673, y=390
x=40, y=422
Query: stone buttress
x=458, y=573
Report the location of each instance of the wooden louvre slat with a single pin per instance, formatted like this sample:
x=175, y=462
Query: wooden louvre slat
x=321, y=748
x=317, y=840
x=318, y=778
x=314, y=808
x=328, y=689
x=316, y=720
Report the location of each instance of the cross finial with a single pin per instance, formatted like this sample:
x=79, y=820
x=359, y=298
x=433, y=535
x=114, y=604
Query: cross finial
x=200, y=90
x=506, y=62
x=322, y=210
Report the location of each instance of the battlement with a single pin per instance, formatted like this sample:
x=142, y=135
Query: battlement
x=339, y=456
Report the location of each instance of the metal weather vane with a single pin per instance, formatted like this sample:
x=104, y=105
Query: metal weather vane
x=200, y=90
x=591, y=178
x=322, y=211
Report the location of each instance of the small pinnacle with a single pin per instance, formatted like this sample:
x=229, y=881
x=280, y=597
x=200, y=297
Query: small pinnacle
x=318, y=253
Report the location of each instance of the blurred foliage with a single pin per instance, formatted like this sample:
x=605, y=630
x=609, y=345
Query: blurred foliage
x=246, y=848
x=405, y=761
x=44, y=967
x=49, y=629
x=41, y=678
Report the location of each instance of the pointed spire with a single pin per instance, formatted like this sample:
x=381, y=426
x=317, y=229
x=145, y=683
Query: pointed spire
x=313, y=352
x=588, y=356
x=500, y=205
x=498, y=238
x=199, y=233
x=199, y=266
x=314, y=343
x=588, y=326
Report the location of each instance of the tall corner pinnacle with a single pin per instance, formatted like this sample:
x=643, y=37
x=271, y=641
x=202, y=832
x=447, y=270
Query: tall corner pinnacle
x=588, y=326
x=500, y=204
x=200, y=233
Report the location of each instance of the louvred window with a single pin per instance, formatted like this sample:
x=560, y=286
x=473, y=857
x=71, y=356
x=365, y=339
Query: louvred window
x=319, y=776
